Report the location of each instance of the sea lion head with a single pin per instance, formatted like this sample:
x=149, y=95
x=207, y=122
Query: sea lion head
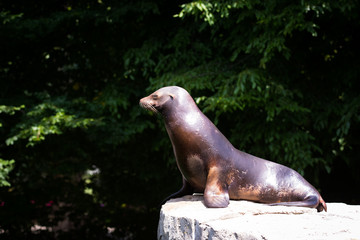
x=167, y=99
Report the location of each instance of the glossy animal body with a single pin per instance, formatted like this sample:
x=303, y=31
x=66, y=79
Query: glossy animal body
x=211, y=165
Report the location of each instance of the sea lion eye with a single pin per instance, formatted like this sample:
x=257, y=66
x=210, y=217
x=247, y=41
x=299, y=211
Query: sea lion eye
x=155, y=97
x=172, y=97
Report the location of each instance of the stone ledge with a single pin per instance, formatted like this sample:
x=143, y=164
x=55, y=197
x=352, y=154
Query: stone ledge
x=188, y=218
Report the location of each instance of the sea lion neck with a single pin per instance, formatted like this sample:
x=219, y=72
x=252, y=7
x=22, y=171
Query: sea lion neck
x=181, y=113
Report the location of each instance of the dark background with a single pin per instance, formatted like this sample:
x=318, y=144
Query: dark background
x=280, y=80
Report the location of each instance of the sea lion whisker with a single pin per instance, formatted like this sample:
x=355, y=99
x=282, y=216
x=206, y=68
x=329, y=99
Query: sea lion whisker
x=154, y=109
x=148, y=107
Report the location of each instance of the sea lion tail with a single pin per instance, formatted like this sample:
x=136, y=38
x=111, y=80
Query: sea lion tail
x=322, y=205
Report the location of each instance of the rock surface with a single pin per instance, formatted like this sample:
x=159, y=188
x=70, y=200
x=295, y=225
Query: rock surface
x=188, y=218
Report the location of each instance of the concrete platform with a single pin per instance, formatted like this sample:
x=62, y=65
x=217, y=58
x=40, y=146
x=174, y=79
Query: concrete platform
x=188, y=218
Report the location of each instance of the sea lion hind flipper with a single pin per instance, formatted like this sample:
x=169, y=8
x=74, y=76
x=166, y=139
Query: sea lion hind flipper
x=215, y=194
x=312, y=201
x=322, y=205
x=186, y=189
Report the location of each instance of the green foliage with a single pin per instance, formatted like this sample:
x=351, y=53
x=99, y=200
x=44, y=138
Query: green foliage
x=46, y=119
x=270, y=26
x=5, y=167
x=9, y=110
x=280, y=80
x=6, y=17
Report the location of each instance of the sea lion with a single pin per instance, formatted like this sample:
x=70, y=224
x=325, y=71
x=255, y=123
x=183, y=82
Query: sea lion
x=211, y=165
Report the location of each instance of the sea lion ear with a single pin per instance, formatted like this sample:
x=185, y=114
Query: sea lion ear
x=171, y=96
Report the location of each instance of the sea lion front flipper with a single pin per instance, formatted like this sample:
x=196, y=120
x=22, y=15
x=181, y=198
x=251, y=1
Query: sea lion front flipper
x=216, y=194
x=186, y=189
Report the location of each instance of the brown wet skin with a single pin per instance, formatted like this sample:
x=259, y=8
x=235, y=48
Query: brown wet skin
x=210, y=164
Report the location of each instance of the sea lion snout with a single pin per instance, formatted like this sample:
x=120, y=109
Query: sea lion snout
x=145, y=101
x=160, y=100
x=148, y=103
